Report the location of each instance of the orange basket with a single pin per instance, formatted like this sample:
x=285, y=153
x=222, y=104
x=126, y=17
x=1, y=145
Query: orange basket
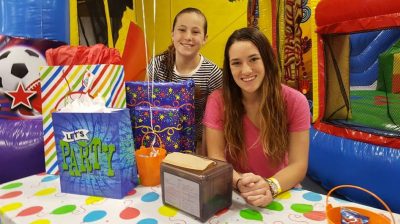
x=334, y=216
x=149, y=166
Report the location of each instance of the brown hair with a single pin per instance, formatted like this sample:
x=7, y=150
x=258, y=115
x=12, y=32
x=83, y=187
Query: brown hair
x=273, y=121
x=169, y=53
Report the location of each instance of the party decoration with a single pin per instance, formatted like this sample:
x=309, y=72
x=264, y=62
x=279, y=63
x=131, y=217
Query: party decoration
x=11, y=185
x=168, y=211
x=251, y=214
x=94, y=216
x=149, y=197
x=301, y=208
x=129, y=213
x=12, y=194
x=275, y=206
x=30, y=211
x=64, y=210
x=93, y=199
x=45, y=192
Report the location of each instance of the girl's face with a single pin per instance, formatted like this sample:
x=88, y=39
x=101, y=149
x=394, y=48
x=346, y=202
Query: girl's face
x=188, y=34
x=246, y=65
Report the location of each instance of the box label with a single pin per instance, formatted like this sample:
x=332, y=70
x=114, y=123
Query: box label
x=182, y=193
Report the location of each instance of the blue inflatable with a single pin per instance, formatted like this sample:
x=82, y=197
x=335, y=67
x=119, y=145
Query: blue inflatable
x=335, y=161
x=47, y=19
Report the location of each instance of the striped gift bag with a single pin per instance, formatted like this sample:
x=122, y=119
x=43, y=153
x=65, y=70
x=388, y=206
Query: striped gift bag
x=62, y=83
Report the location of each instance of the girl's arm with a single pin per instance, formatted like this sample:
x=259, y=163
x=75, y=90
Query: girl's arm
x=253, y=188
x=215, y=142
x=296, y=170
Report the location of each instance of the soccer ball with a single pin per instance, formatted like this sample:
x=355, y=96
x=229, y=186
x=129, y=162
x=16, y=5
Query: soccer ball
x=20, y=64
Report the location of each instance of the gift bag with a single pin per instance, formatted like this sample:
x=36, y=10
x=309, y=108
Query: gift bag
x=168, y=95
x=95, y=153
x=65, y=83
x=156, y=122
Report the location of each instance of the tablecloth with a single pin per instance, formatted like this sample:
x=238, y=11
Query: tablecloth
x=37, y=200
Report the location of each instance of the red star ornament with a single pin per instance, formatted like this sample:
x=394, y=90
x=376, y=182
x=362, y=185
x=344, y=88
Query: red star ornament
x=20, y=96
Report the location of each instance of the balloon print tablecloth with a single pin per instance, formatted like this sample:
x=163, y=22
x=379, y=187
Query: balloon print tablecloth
x=37, y=200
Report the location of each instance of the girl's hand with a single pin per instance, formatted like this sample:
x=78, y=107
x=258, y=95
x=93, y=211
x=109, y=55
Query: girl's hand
x=254, y=189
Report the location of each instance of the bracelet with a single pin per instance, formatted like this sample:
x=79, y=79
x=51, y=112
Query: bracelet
x=276, y=182
x=237, y=184
x=274, y=186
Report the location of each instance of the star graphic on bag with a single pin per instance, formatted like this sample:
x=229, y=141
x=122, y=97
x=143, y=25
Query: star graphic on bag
x=20, y=96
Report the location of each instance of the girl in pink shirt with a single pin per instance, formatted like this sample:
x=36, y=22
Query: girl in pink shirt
x=257, y=124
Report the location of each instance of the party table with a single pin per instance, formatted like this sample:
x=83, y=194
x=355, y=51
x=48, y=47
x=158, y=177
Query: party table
x=38, y=200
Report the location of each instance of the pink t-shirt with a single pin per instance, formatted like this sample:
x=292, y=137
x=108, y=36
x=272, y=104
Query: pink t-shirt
x=298, y=113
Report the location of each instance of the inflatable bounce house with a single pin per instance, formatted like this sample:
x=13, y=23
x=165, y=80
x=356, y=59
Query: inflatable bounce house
x=356, y=103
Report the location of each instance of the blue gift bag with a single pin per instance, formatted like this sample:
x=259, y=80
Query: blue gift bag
x=95, y=153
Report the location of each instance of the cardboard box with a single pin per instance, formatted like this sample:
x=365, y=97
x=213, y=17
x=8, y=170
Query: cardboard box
x=198, y=193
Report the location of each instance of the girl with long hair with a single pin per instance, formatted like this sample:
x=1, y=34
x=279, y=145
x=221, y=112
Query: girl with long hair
x=256, y=123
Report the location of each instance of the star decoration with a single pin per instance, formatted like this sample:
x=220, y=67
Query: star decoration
x=20, y=96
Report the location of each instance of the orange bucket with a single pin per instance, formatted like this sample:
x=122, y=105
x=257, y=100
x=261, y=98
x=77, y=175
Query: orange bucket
x=334, y=215
x=149, y=166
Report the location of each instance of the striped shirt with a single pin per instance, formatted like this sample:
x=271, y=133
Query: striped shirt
x=207, y=78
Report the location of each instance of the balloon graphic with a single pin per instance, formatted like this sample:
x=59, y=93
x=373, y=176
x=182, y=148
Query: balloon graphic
x=315, y=215
x=12, y=194
x=167, y=211
x=64, y=209
x=10, y=207
x=49, y=178
x=149, y=197
x=311, y=196
x=148, y=221
x=301, y=208
x=46, y=191
x=284, y=195
x=275, y=206
x=129, y=213
x=41, y=221
x=132, y=192
x=223, y=211
x=251, y=214
x=30, y=211
x=11, y=186
x=94, y=216
x=93, y=199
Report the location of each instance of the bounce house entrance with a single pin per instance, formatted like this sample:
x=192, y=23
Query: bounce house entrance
x=363, y=81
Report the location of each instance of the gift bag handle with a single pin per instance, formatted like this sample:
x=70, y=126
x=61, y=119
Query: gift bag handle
x=362, y=189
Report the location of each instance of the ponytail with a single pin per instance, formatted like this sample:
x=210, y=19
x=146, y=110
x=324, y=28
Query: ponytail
x=169, y=61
